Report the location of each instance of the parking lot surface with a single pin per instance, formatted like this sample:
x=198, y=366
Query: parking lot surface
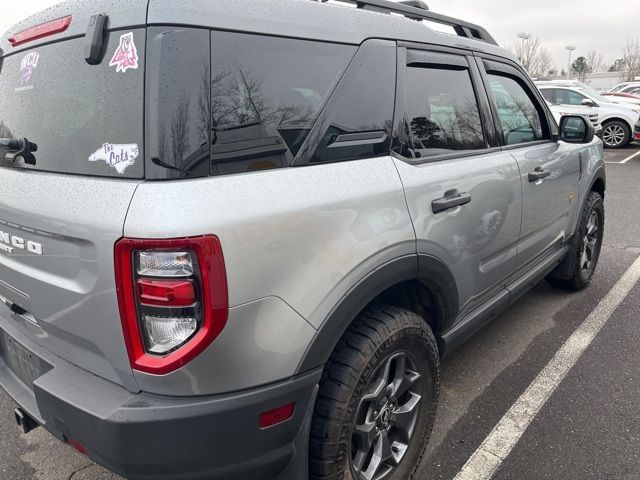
x=588, y=427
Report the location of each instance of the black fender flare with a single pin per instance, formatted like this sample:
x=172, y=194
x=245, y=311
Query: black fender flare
x=428, y=269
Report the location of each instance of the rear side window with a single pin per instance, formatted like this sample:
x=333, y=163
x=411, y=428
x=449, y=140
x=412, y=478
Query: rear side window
x=519, y=118
x=266, y=94
x=442, y=110
x=85, y=119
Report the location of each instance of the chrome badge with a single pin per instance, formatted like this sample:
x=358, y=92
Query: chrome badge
x=11, y=243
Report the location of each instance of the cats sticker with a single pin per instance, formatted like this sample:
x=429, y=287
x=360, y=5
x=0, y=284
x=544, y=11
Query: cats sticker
x=118, y=156
x=126, y=55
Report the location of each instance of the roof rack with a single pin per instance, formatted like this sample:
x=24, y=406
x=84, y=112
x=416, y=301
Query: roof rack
x=418, y=10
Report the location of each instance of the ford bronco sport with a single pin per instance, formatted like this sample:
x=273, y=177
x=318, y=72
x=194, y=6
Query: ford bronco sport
x=237, y=237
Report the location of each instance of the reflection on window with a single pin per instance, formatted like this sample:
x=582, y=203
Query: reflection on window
x=266, y=93
x=518, y=115
x=443, y=113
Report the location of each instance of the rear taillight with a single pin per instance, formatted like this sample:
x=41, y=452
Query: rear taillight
x=40, y=31
x=173, y=299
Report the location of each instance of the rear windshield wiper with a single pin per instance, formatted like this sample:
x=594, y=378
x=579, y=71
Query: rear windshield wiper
x=19, y=147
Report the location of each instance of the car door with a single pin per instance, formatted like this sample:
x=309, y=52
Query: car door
x=463, y=192
x=549, y=169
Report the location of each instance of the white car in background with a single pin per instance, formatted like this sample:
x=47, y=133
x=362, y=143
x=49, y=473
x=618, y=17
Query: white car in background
x=627, y=87
x=589, y=113
x=618, y=120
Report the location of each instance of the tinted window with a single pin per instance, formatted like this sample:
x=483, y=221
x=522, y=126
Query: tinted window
x=357, y=121
x=266, y=93
x=85, y=119
x=569, y=97
x=178, y=103
x=518, y=115
x=442, y=111
x=548, y=94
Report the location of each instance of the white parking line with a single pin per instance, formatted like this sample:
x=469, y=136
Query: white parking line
x=631, y=157
x=486, y=460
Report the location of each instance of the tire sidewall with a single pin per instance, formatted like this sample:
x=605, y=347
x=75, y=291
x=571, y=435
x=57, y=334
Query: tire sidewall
x=594, y=204
x=415, y=343
x=627, y=134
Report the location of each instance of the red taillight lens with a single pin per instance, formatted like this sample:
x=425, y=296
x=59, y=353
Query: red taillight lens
x=39, y=31
x=276, y=416
x=168, y=321
x=166, y=293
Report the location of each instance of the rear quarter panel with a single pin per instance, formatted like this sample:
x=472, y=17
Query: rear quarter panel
x=299, y=236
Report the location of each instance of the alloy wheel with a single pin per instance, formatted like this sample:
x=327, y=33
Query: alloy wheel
x=613, y=135
x=590, y=242
x=385, y=419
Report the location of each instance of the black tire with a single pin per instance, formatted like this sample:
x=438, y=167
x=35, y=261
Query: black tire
x=369, y=354
x=581, y=273
x=616, y=134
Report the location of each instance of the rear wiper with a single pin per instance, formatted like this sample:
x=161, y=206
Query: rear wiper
x=19, y=147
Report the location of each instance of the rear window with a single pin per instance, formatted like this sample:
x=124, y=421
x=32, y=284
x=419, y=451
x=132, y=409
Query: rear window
x=85, y=119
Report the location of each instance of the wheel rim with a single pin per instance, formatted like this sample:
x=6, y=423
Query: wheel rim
x=590, y=242
x=385, y=419
x=613, y=135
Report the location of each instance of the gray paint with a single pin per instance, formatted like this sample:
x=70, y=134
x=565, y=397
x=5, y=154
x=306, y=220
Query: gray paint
x=70, y=290
x=262, y=343
x=305, y=19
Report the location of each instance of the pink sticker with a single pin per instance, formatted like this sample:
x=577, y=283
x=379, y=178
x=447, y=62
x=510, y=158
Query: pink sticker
x=126, y=55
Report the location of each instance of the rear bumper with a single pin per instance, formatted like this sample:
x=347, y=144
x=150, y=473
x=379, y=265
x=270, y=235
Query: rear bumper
x=143, y=436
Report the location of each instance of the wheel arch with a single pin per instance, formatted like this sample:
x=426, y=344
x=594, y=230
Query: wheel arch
x=419, y=283
x=618, y=119
x=598, y=184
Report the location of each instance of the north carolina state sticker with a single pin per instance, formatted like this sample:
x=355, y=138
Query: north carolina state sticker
x=118, y=156
x=126, y=55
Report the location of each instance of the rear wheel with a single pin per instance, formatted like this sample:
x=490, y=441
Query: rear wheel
x=616, y=134
x=377, y=399
x=589, y=237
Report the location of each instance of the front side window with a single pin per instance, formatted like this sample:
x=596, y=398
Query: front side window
x=569, y=97
x=265, y=95
x=442, y=111
x=519, y=118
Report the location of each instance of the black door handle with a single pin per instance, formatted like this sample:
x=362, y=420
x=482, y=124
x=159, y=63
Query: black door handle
x=538, y=174
x=451, y=199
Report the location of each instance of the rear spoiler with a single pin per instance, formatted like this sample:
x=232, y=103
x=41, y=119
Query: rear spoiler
x=418, y=10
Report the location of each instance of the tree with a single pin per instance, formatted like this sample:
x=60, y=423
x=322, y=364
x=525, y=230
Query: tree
x=617, y=66
x=580, y=68
x=595, y=61
x=631, y=59
x=532, y=55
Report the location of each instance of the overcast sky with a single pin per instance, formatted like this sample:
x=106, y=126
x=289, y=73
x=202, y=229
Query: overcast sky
x=586, y=24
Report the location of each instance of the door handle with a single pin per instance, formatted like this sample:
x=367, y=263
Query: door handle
x=538, y=174
x=451, y=199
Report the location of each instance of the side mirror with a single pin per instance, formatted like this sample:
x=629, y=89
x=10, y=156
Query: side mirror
x=588, y=103
x=576, y=129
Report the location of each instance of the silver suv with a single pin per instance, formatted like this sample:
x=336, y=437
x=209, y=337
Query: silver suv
x=236, y=238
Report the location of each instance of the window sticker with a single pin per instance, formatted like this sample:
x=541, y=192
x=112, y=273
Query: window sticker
x=126, y=55
x=118, y=156
x=27, y=66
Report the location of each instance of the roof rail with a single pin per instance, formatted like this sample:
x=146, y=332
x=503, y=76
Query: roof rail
x=418, y=10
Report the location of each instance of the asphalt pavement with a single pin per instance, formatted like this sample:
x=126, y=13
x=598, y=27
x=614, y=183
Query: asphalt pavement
x=588, y=428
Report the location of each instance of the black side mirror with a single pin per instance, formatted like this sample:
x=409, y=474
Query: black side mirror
x=576, y=129
x=588, y=103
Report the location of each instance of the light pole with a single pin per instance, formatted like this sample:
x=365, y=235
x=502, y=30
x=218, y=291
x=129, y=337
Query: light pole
x=571, y=48
x=525, y=37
